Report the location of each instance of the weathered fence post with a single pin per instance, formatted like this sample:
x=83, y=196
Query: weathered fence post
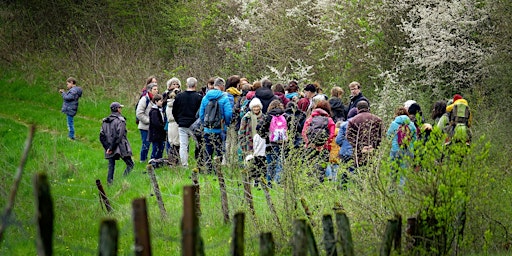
x=267, y=247
x=109, y=237
x=300, y=241
x=191, y=243
x=398, y=234
x=237, y=246
x=248, y=194
x=329, y=237
x=197, y=190
x=156, y=189
x=411, y=232
x=44, y=215
x=345, y=235
x=103, y=196
x=223, y=191
x=312, y=247
x=141, y=226
x=389, y=236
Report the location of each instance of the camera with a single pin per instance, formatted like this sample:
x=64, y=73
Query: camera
x=176, y=91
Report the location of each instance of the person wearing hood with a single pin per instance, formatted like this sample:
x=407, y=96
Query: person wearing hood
x=115, y=142
x=337, y=107
x=319, y=154
x=460, y=120
x=279, y=92
x=356, y=96
x=70, y=104
x=401, y=154
x=274, y=149
x=142, y=114
x=265, y=94
x=214, y=137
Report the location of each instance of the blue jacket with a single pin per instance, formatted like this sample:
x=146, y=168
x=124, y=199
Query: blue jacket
x=70, y=104
x=393, y=130
x=225, y=105
x=341, y=140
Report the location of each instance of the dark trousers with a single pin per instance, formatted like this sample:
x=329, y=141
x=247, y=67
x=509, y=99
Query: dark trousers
x=213, y=142
x=112, y=166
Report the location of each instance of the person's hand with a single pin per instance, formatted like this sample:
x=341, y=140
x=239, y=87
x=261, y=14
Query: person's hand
x=109, y=151
x=61, y=90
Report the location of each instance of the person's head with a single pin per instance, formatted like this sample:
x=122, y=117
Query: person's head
x=265, y=82
x=323, y=104
x=151, y=79
x=256, y=85
x=152, y=88
x=355, y=88
x=278, y=88
x=318, y=87
x=401, y=111
x=255, y=106
x=408, y=103
x=219, y=84
x=233, y=81
x=414, y=109
x=246, y=86
x=158, y=100
x=70, y=82
x=362, y=106
x=209, y=84
x=191, y=83
x=275, y=104
x=116, y=107
x=336, y=92
x=293, y=86
x=173, y=83
x=457, y=97
x=439, y=109
x=309, y=91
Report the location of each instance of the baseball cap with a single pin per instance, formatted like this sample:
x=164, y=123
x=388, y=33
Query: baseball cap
x=115, y=105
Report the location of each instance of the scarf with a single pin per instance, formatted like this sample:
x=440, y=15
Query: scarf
x=254, y=122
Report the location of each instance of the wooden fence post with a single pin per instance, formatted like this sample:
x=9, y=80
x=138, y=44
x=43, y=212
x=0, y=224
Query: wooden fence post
x=345, y=235
x=267, y=247
x=312, y=247
x=141, y=226
x=109, y=237
x=223, y=191
x=103, y=196
x=248, y=194
x=411, y=233
x=156, y=189
x=191, y=243
x=237, y=245
x=300, y=241
x=44, y=215
x=389, y=236
x=197, y=190
x=329, y=237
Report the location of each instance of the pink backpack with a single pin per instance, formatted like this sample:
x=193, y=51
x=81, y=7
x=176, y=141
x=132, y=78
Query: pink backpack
x=278, y=129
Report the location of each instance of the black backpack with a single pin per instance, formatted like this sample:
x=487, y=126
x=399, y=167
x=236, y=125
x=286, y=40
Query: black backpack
x=318, y=130
x=212, y=116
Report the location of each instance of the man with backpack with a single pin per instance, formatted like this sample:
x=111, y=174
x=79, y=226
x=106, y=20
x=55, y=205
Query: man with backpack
x=215, y=113
x=364, y=133
x=460, y=118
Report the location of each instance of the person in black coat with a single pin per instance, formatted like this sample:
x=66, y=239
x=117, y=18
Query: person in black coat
x=156, y=132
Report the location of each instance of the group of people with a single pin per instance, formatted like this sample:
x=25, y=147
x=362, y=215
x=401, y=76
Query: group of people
x=265, y=122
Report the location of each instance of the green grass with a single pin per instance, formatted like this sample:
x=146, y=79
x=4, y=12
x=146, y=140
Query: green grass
x=74, y=166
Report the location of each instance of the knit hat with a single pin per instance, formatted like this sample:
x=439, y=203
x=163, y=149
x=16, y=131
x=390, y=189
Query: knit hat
x=352, y=113
x=456, y=97
x=408, y=103
x=115, y=105
x=310, y=88
x=255, y=102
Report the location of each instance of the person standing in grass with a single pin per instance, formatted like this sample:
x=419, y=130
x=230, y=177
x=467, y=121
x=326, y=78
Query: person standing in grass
x=156, y=130
x=70, y=104
x=142, y=113
x=113, y=138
